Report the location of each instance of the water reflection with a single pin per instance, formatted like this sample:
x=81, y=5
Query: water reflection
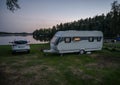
x=42, y=38
x=4, y=40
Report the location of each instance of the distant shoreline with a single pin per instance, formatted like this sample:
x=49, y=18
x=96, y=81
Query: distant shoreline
x=15, y=34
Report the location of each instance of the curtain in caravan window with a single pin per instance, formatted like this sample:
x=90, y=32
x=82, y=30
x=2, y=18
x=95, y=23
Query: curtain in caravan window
x=91, y=39
x=99, y=39
x=76, y=39
x=67, y=40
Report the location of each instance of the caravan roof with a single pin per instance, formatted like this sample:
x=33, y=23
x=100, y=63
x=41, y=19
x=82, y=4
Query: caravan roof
x=72, y=33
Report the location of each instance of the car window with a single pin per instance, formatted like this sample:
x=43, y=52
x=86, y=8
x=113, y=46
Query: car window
x=20, y=42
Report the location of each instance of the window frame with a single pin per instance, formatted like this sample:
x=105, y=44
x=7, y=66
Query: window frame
x=76, y=40
x=60, y=39
x=67, y=41
x=90, y=39
x=21, y=42
x=99, y=39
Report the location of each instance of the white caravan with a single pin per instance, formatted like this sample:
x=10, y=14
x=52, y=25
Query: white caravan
x=76, y=41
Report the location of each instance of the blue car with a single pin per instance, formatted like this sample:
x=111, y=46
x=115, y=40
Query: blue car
x=117, y=39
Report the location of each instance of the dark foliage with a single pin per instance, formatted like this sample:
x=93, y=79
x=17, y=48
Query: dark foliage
x=12, y=5
x=109, y=24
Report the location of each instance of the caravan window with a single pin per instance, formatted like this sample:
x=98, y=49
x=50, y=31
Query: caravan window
x=99, y=39
x=54, y=39
x=58, y=40
x=91, y=39
x=76, y=39
x=67, y=40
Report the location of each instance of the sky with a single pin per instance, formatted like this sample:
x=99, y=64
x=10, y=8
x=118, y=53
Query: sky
x=36, y=14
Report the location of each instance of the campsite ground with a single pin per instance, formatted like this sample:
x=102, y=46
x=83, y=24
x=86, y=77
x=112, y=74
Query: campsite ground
x=99, y=68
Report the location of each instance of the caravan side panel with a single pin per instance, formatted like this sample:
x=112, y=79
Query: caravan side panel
x=76, y=46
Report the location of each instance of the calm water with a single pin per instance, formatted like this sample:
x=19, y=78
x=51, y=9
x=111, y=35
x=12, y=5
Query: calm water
x=4, y=40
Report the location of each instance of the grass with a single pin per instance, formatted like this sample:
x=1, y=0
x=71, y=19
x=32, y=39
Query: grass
x=100, y=67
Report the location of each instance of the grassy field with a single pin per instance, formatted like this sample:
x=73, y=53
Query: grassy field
x=99, y=68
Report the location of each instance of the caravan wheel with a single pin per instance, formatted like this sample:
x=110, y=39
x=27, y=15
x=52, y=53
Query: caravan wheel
x=82, y=51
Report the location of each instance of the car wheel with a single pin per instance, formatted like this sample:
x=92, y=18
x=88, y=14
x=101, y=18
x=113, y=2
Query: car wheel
x=28, y=51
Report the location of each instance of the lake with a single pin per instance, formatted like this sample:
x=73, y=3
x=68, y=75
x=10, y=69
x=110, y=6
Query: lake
x=4, y=40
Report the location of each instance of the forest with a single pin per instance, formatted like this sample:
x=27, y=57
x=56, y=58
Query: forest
x=108, y=23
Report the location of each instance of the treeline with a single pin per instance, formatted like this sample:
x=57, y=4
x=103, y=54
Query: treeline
x=109, y=24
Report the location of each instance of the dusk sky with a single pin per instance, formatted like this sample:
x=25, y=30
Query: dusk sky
x=35, y=14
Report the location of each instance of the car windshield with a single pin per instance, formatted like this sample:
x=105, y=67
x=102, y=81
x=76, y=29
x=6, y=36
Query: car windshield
x=20, y=42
